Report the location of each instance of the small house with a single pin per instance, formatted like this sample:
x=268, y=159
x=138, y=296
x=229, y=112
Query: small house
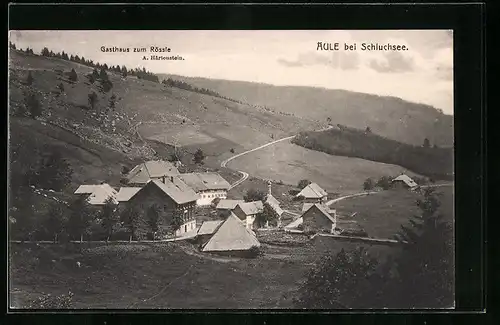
x=313, y=193
x=318, y=219
x=97, y=194
x=248, y=211
x=225, y=206
x=207, y=229
x=404, y=181
x=232, y=238
x=151, y=170
x=209, y=186
x=173, y=198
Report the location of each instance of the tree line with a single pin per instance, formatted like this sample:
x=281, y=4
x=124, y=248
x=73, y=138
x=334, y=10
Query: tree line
x=81, y=221
x=140, y=73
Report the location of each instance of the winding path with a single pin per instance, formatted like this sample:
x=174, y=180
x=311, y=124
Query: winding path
x=245, y=175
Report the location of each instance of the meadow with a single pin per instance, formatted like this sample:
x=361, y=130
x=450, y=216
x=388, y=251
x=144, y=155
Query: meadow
x=382, y=214
x=290, y=163
x=163, y=275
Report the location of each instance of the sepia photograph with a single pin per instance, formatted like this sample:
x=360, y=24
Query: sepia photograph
x=231, y=169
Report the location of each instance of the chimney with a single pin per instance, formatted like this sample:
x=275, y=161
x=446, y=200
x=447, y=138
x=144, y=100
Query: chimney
x=163, y=179
x=269, y=187
x=172, y=179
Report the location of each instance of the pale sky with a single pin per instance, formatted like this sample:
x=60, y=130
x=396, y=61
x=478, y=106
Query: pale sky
x=422, y=74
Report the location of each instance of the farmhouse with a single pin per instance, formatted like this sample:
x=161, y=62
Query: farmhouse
x=173, y=198
x=154, y=169
x=224, y=207
x=313, y=193
x=317, y=218
x=232, y=238
x=208, y=185
x=248, y=212
x=207, y=229
x=405, y=181
x=97, y=194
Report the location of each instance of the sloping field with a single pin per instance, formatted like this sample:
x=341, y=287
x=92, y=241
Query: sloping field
x=163, y=275
x=291, y=163
x=383, y=213
x=159, y=112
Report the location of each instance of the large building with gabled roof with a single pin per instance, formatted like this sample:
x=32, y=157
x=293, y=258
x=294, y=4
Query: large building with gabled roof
x=208, y=185
x=231, y=237
x=171, y=196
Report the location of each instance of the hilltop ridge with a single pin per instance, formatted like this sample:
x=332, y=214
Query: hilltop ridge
x=391, y=117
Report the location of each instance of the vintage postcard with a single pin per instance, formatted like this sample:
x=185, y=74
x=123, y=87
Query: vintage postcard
x=231, y=169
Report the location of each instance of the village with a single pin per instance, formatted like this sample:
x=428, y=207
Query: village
x=133, y=187
x=234, y=222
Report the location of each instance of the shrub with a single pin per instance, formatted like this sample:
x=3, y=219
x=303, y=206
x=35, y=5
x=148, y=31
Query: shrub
x=199, y=156
x=33, y=106
x=368, y=184
x=303, y=183
x=73, y=76
x=232, y=150
x=384, y=182
x=29, y=79
x=254, y=195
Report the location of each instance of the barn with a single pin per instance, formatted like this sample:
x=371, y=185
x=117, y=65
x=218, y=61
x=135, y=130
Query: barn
x=404, y=181
x=207, y=229
x=313, y=193
x=318, y=219
x=232, y=238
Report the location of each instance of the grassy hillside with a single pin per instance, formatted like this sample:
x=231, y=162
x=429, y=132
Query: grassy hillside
x=147, y=115
x=163, y=275
x=382, y=214
x=436, y=162
x=290, y=163
x=389, y=116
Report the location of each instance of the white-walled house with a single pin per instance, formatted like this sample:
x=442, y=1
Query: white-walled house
x=208, y=186
x=248, y=211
